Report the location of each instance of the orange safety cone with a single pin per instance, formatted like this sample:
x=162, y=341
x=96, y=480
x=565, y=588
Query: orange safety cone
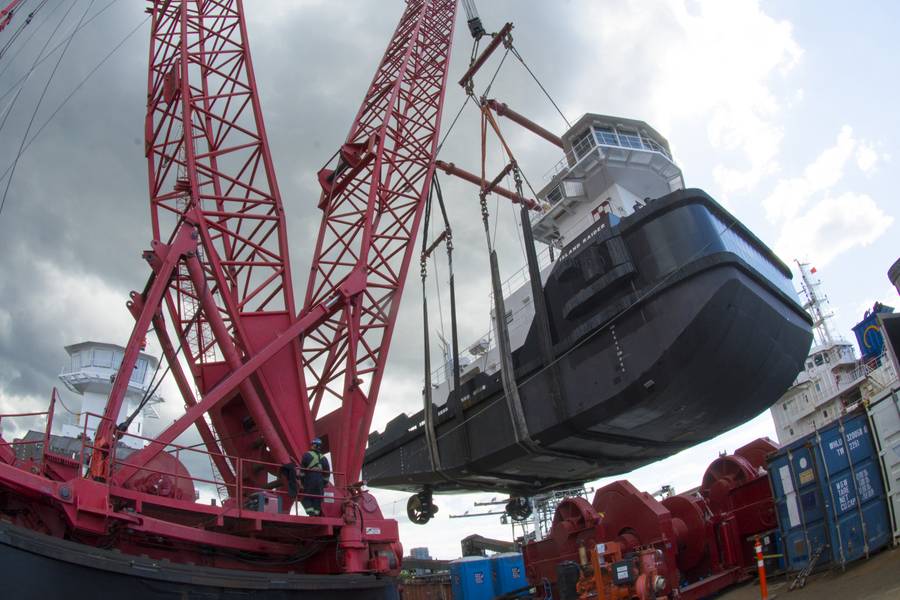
x=761, y=566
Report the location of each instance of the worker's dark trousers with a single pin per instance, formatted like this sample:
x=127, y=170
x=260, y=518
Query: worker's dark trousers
x=314, y=486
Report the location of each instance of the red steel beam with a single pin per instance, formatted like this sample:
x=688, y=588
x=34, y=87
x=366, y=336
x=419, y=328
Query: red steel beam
x=505, y=111
x=486, y=54
x=451, y=169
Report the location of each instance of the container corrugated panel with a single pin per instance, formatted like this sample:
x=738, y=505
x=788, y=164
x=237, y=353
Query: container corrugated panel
x=884, y=416
x=829, y=494
x=508, y=570
x=471, y=579
x=426, y=590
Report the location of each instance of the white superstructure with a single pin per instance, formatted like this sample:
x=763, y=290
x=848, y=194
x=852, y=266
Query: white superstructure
x=90, y=373
x=612, y=166
x=833, y=380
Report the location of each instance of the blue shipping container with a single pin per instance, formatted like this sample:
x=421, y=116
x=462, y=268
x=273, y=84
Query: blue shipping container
x=471, y=579
x=829, y=494
x=508, y=571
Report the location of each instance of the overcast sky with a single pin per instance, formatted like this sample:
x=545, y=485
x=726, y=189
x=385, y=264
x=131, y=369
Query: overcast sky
x=782, y=111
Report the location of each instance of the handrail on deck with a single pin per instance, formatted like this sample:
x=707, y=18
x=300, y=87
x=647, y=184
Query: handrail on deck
x=240, y=488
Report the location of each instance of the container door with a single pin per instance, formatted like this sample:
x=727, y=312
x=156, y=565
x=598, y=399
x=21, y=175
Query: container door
x=854, y=494
x=799, y=505
x=884, y=417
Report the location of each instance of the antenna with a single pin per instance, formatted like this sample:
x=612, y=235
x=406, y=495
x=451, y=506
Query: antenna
x=816, y=303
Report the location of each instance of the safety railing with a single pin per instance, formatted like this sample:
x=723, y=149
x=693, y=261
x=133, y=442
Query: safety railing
x=241, y=492
x=589, y=144
x=522, y=276
x=43, y=443
x=19, y=443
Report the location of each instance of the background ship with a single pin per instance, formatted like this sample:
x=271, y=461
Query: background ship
x=670, y=323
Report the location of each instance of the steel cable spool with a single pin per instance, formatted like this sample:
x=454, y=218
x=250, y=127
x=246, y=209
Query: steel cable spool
x=724, y=474
x=689, y=522
x=572, y=515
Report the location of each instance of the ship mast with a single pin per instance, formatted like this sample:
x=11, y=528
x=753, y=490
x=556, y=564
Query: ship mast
x=816, y=304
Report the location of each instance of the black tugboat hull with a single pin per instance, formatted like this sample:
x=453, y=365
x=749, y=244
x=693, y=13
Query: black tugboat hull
x=668, y=330
x=37, y=567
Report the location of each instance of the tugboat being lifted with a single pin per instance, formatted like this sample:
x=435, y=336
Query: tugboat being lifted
x=669, y=322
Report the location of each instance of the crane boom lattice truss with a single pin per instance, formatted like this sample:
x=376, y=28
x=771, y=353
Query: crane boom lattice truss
x=373, y=202
x=268, y=376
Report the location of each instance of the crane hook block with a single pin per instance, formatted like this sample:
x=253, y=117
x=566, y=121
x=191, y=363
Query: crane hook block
x=476, y=28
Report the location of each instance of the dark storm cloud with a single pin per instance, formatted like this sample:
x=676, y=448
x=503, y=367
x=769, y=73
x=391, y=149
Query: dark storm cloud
x=79, y=199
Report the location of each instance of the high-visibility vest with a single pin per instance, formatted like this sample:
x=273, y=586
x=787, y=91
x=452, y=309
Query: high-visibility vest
x=316, y=462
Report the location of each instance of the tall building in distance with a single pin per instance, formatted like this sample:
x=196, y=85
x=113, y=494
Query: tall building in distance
x=833, y=380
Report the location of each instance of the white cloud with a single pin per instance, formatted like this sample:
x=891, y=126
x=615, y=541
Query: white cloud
x=791, y=195
x=84, y=307
x=832, y=226
x=709, y=60
x=867, y=158
x=814, y=221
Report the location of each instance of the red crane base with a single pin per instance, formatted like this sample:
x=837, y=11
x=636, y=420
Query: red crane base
x=156, y=515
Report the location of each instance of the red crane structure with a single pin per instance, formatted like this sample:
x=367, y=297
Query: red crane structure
x=269, y=376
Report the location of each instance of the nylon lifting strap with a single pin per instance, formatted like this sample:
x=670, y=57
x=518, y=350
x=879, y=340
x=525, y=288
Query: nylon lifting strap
x=445, y=236
x=507, y=369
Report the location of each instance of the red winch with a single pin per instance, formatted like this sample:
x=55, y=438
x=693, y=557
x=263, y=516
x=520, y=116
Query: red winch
x=701, y=540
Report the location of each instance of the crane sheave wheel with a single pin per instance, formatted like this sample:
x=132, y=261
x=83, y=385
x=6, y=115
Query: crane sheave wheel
x=518, y=509
x=419, y=508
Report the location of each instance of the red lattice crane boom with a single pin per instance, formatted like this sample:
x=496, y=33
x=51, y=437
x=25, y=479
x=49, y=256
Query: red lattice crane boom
x=373, y=201
x=268, y=377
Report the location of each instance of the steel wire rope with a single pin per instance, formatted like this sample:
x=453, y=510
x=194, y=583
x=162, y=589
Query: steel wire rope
x=15, y=36
x=66, y=408
x=464, y=104
x=516, y=53
x=151, y=389
x=41, y=100
x=452, y=124
x=612, y=320
x=60, y=44
x=24, y=79
x=76, y=89
x=24, y=44
x=469, y=97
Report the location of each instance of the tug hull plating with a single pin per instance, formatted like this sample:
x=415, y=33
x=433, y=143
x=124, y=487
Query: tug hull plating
x=668, y=329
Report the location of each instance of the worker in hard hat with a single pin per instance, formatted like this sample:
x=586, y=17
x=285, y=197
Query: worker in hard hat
x=314, y=472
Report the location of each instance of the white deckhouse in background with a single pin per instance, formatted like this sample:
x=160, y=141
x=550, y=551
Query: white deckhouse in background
x=833, y=381
x=90, y=373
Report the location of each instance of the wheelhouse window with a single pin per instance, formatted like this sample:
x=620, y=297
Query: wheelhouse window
x=630, y=139
x=606, y=135
x=554, y=195
x=583, y=144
